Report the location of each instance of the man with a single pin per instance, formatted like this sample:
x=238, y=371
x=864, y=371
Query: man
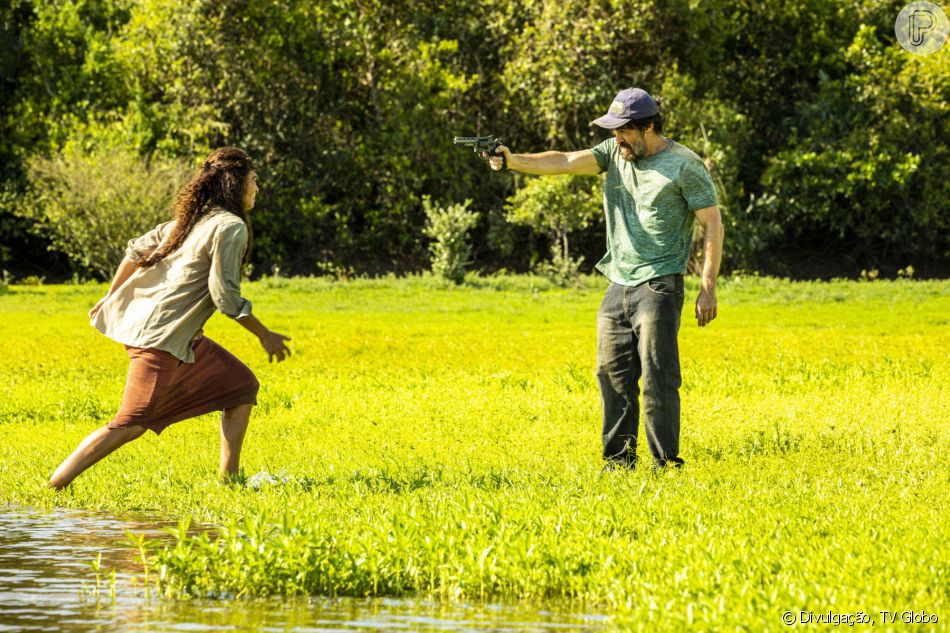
x=653, y=190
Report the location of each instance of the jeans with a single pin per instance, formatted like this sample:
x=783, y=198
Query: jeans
x=637, y=328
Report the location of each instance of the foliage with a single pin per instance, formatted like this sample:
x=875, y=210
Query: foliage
x=556, y=207
x=809, y=113
x=91, y=203
x=445, y=444
x=448, y=227
x=338, y=103
x=872, y=145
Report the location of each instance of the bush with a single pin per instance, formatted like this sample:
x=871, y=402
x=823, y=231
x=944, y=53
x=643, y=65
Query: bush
x=451, y=251
x=869, y=171
x=555, y=207
x=90, y=203
x=823, y=135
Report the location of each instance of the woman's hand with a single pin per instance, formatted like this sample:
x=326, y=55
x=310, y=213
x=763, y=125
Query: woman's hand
x=274, y=345
x=272, y=342
x=96, y=308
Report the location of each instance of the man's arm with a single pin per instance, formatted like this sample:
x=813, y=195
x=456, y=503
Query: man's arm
x=706, y=303
x=548, y=163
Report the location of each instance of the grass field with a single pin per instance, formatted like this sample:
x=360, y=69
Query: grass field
x=445, y=442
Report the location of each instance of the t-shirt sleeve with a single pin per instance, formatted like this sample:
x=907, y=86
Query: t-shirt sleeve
x=697, y=186
x=603, y=152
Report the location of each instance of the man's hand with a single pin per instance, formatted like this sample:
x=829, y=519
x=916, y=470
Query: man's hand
x=274, y=345
x=706, y=303
x=706, y=306
x=495, y=160
x=97, y=307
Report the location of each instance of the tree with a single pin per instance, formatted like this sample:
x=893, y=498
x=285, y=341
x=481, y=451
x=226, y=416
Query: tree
x=869, y=168
x=556, y=206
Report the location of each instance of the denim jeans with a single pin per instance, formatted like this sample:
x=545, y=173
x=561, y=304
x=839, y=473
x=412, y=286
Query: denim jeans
x=637, y=328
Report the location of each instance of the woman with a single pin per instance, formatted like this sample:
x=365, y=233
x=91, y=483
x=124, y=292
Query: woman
x=170, y=282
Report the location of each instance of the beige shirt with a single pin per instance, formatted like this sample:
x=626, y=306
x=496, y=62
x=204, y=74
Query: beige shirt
x=165, y=306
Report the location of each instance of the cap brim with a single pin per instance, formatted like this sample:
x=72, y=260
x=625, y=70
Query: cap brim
x=609, y=122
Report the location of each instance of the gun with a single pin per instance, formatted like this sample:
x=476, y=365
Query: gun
x=481, y=144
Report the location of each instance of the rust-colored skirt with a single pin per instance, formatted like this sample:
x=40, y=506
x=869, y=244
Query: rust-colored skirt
x=161, y=390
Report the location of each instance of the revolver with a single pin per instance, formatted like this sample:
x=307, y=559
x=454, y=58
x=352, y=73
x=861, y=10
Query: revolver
x=481, y=144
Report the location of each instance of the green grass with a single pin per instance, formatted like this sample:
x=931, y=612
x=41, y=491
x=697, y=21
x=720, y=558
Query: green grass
x=445, y=442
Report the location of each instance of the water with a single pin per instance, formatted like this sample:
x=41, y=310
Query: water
x=48, y=584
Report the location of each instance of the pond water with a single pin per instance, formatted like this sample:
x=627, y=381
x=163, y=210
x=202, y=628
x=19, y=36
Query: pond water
x=47, y=583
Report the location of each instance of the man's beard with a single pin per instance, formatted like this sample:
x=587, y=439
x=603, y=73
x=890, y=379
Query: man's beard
x=632, y=152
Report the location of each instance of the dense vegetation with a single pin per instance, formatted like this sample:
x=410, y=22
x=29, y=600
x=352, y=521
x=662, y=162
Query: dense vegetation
x=437, y=442
x=828, y=140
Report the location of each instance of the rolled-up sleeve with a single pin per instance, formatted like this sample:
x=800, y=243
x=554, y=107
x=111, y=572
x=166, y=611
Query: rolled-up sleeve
x=224, y=280
x=142, y=246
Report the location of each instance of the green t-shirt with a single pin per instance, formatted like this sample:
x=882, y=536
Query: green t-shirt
x=649, y=206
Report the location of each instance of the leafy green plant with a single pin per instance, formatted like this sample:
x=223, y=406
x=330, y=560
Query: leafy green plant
x=556, y=207
x=808, y=113
x=868, y=167
x=450, y=251
x=33, y=280
x=91, y=202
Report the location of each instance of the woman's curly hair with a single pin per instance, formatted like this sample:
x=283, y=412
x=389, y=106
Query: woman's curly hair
x=220, y=182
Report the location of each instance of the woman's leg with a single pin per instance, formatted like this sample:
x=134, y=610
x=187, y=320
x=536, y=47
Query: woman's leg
x=97, y=445
x=233, y=426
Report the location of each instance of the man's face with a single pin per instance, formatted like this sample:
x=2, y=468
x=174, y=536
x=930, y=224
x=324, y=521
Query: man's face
x=632, y=143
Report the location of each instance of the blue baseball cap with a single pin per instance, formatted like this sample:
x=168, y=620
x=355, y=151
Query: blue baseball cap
x=629, y=104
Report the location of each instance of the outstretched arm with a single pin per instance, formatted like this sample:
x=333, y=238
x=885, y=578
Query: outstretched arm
x=548, y=163
x=272, y=342
x=224, y=286
x=707, y=305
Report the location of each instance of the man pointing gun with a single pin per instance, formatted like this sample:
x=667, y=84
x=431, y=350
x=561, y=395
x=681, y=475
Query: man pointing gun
x=654, y=189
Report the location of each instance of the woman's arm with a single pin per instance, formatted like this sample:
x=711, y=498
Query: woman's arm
x=224, y=285
x=137, y=248
x=122, y=274
x=272, y=342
